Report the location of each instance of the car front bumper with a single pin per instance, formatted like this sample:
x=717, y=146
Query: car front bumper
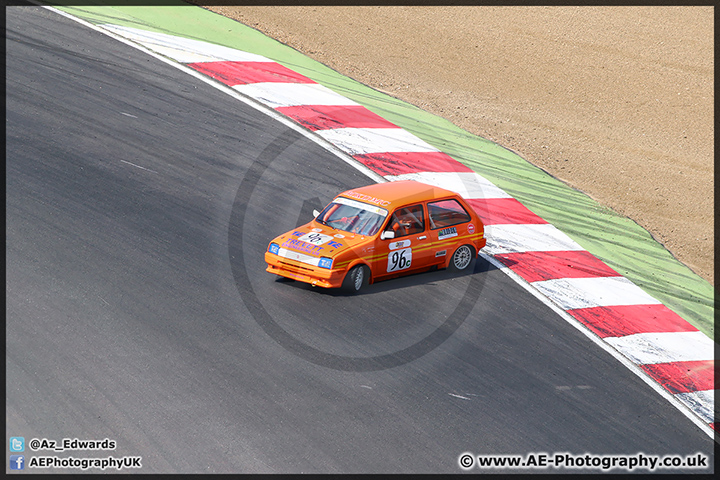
x=316, y=276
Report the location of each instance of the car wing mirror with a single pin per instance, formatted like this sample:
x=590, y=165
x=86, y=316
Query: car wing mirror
x=386, y=235
x=315, y=213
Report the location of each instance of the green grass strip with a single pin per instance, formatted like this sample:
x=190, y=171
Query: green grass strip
x=618, y=241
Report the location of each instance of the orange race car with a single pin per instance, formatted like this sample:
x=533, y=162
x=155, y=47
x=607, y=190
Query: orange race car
x=377, y=232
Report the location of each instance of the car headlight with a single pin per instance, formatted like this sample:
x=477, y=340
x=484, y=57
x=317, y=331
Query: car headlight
x=325, y=262
x=274, y=248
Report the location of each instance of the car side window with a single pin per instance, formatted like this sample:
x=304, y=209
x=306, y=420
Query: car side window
x=407, y=221
x=446, y=213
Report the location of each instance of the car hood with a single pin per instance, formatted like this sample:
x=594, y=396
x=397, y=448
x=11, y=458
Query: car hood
x=318, y=240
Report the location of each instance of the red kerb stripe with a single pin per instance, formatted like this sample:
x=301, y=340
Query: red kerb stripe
x=683, y=377
x=325, y=117
x=621, y=320
x=496, y=211
x=538, y=266
x=399, y=163
x=240, y=73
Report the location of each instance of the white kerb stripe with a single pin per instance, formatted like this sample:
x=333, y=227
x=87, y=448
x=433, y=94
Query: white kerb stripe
x=277, y=95
x=702, y=403
x=356, y=141
x=184, y=50
x=651, y=348
x=465, y=184
x=513, y=238
x=572, y=293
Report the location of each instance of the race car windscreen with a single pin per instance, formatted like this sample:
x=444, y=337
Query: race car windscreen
x=353, y=216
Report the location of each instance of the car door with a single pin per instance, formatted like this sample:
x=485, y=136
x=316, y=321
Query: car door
x=448, y=221
x=411, y=247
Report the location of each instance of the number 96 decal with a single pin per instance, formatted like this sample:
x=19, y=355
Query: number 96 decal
x=399, y=259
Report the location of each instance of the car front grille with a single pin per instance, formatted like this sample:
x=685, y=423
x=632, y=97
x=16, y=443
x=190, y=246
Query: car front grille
x=296, y=268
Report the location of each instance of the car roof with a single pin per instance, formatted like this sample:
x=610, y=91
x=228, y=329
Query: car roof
x=395, y=194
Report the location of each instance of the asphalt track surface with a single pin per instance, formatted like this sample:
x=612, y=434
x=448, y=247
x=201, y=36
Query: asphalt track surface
x=140, y=201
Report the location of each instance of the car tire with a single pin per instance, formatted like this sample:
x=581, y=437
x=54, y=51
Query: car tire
x=355, y=279
x=462, y=258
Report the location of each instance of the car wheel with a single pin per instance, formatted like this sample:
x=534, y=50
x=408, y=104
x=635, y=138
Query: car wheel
x=461, y=258
x=355, y=279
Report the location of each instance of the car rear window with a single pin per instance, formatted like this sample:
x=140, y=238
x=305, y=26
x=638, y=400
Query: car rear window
x=446, y=213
